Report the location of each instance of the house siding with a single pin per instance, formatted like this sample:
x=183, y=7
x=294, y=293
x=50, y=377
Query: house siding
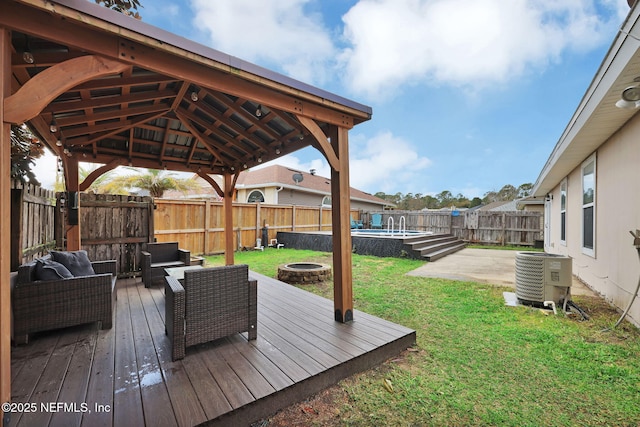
x=614, y=268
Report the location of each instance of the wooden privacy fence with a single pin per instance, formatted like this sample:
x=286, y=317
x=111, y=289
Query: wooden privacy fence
x=480, y=227
x=198, y=225
x=32, y=222
x=111, y=227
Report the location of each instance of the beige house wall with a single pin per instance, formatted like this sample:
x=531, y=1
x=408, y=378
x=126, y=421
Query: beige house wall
x=614, y=269
x=289, y=196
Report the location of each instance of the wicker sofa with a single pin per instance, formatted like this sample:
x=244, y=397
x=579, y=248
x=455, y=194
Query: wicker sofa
x=213, y=303
x=41, y=305
x=158, y=256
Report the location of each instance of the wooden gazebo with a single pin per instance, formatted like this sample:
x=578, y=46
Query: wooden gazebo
x=97, y=86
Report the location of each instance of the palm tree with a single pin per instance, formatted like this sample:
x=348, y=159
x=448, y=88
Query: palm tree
x=153, y=180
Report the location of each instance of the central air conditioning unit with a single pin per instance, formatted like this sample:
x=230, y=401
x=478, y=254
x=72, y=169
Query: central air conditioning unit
x=542, y=277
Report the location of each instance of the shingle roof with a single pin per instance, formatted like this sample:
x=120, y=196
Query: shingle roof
x=278, y=175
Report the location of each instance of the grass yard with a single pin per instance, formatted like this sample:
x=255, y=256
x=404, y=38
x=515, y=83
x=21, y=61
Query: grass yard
x=476, y=362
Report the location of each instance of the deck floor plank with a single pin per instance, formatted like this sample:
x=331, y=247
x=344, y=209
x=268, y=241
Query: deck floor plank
x=127, y=401
x=234, y=389
x=313, y=339
x=250, y=376
x=184, y=398
x=300, y=350
x=76, y=382
x=155, y=397
x=48, y=388
x=100, y=389
x=276, y=376
x=331, y=332
x=211, y=396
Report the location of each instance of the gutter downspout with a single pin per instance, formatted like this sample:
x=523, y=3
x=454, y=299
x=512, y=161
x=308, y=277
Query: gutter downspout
x=278, y=190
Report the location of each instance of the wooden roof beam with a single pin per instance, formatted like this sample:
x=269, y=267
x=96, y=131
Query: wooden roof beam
x=323, y=141
x=38, y=92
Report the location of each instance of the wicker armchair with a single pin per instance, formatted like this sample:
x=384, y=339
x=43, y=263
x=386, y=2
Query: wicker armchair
x=42, y=305
x=158, y=256
x=213, y=303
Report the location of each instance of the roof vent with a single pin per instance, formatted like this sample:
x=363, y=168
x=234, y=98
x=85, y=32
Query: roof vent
x=312, y=171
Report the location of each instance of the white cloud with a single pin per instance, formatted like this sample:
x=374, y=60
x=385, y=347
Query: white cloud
x=45, y=169
x=385, y=163
x=271, y=32
x=465, y=43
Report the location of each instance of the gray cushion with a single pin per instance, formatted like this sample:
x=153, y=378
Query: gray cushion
x=47, y=269
x=77, y=262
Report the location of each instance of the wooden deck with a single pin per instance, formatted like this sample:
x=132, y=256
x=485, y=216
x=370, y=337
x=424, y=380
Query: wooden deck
x=125, y=376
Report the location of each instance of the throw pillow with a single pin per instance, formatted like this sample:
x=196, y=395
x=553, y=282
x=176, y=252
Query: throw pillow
x=47, y=269
x=76, y=261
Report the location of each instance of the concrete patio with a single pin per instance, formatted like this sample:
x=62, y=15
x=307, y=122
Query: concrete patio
x=485, y=266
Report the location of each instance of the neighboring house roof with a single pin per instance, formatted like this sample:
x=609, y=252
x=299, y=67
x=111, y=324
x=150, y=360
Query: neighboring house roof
x=282, y=176
x=501, y=206
x=529, y=201
x=597, y=117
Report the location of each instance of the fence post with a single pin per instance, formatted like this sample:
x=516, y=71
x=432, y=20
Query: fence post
x=16, y=228
x=258, y=222
x=207, y=226
x=293, y=218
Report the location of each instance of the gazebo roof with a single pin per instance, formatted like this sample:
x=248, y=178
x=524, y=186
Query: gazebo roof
x=157, y=100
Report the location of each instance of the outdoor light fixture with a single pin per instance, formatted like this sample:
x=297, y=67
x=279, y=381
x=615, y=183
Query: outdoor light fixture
x=194, y=96
x=631, y=94
x=630, y=97
x=277, y=151
x=28, y=57
x=59, y=143
x=53, y=126
x=627, y=105
x=259, y=111
x=259, y=159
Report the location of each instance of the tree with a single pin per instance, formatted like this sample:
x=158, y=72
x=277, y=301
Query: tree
x=25, y=148
x=126, y=7
x=153, y=180
x=524, y=190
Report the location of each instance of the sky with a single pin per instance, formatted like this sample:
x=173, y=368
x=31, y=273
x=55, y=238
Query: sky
x=467, y=96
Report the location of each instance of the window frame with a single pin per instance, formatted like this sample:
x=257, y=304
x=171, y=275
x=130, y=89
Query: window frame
x=589, y=163
x=563, y=211
x=251, y=193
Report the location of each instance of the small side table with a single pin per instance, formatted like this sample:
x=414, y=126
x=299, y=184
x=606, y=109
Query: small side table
x=178, y=273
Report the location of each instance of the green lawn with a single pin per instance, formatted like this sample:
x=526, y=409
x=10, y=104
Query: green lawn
x=477, y=361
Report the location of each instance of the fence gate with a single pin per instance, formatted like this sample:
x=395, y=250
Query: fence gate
x=111, y=227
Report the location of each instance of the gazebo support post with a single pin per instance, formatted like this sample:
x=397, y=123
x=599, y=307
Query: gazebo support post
x=5, y=223
x=341, y=229
x=228, y=219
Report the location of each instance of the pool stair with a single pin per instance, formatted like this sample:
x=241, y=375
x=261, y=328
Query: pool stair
x=434, y=246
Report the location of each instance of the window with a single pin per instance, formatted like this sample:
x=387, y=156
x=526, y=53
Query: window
x=326, y=201
x=563, y=212
x=589, y=205
x=255, y=197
